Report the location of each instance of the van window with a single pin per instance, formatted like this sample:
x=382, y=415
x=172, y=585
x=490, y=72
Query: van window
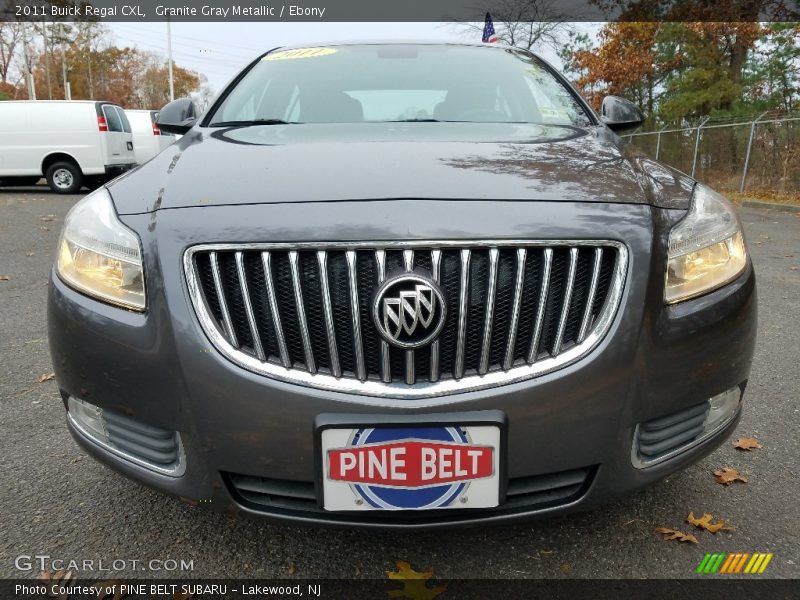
x=112, y=118
x=126, y=125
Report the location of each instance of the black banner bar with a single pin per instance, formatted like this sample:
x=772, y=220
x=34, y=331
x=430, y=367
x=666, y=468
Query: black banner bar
x=136, y=11
x=711, y=587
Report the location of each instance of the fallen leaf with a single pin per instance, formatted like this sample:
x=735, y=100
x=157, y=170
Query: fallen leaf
x=4, y=278
x=674, y=534
x=747, y=444
x=29, y=253
x=292, y=569
x=727, y=476
x=704, y=522
x=111, y=589
x=47, y=218
x=415, y=583
x=59, y=577
x=46, y=377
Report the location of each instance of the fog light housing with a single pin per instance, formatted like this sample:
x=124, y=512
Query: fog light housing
x=721, y=409
x=89, y=418
x=667, y=436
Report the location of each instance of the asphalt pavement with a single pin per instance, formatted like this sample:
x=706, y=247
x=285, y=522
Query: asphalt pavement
x=57, y=501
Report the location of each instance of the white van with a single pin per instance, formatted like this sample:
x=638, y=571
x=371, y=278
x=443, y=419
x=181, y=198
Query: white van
x=71, y=143
x=148, y=139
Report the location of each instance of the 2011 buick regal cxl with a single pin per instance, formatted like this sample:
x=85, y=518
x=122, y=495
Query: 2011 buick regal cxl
x=401, y=285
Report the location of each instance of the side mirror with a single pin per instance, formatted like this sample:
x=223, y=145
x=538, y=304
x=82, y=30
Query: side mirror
x=178, y=116
x=620, y=115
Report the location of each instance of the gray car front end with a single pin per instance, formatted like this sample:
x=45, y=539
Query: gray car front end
x=267, y=257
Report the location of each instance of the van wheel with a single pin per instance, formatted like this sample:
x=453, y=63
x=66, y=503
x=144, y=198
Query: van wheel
x=64, y=177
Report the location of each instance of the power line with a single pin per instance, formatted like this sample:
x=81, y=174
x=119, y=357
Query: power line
x=143, y=37
x=203, y=59
x=216, y=43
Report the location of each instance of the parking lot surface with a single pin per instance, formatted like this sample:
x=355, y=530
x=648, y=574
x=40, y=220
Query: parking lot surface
x=59, y=502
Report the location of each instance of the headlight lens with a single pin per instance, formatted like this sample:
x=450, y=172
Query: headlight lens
x=99, y=256
x=706, y=249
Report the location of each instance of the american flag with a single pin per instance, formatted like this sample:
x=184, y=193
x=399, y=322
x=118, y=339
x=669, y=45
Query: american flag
x=488, y=30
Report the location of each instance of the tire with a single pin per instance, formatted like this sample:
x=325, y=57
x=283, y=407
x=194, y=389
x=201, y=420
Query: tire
x=64, y=177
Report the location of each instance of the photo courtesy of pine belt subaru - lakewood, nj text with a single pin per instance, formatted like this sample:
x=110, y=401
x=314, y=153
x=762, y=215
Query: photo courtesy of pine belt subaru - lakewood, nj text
x=401, y=285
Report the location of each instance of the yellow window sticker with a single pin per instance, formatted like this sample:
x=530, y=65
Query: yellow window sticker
x=299, y=53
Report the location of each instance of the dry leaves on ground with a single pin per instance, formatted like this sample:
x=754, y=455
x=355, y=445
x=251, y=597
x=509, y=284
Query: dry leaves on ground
x=727, y=476
x=747, y=444
x=704, y=522
x=46, y=377
x=674, y=534
x=59, y=578
x=110, y=589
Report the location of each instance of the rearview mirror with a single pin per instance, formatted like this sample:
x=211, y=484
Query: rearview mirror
x=620, y=115
x=178, y=116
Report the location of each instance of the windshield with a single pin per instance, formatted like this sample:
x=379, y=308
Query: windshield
x=399, y=82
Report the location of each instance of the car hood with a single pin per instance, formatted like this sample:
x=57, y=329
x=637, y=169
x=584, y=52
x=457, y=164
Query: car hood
x=378, y=161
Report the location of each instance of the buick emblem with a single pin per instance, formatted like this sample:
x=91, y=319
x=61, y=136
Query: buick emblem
x=409, y=310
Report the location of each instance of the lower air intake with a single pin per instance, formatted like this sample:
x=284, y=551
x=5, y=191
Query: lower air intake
x=298, y=498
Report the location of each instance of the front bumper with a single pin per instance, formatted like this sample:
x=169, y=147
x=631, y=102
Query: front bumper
x=577, y=423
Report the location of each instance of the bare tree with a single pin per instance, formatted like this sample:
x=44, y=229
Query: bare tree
x=10, y=37
x=204, y=94
x=523, y=24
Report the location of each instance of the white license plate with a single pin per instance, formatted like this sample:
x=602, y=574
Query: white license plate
x=410, y=468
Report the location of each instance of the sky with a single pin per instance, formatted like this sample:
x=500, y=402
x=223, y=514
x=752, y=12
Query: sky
x=220, y=50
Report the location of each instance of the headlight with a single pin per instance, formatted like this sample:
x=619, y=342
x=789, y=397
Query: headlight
x=706, y=249
x=99, y=256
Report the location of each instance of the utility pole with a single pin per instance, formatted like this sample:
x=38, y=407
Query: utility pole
x=169, y=59
x=47, y=60
x=67, y=94
x=63, y=39
x=28, y=71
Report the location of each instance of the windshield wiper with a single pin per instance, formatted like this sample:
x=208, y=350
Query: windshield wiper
x=416, y=121
x=253, y=122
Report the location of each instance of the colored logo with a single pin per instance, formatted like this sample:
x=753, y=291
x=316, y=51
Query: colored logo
x=410, y=468
x=732, y=563
x=409, y=311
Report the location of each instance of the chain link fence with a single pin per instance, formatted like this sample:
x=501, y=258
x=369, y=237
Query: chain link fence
x=759, y=154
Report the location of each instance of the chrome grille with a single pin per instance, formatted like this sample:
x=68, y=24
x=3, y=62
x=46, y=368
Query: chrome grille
x=303, y=312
